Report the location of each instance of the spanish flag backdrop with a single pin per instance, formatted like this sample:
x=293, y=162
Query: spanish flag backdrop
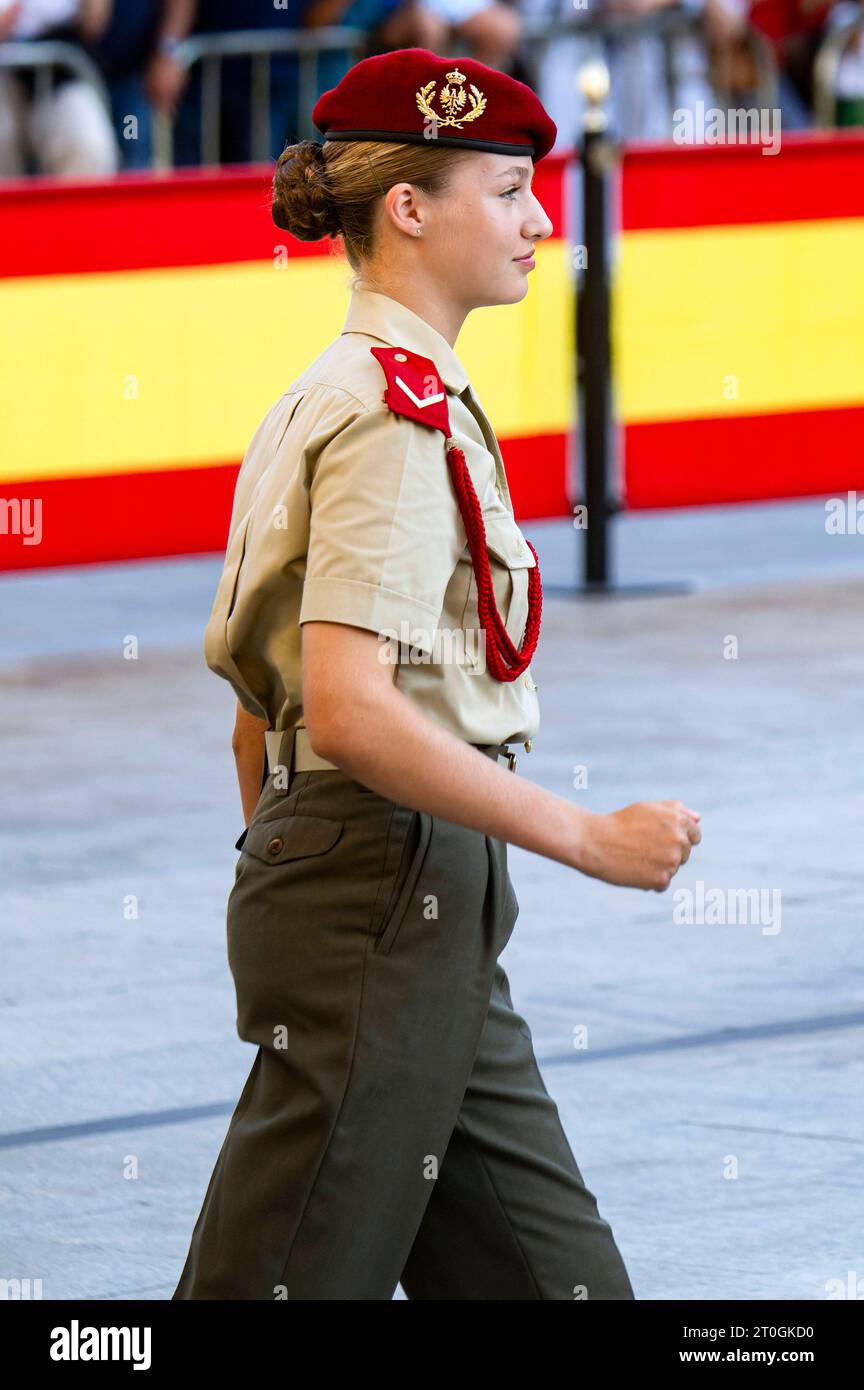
x=738, y=329
x=149, y=322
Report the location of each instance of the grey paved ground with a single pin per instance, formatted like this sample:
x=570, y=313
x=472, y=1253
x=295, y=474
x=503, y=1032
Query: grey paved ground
x=712, y=1049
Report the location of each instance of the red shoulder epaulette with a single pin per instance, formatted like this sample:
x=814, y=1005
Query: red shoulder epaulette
x=414, y=387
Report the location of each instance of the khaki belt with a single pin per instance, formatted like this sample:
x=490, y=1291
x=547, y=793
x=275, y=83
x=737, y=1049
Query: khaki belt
x=305, y=758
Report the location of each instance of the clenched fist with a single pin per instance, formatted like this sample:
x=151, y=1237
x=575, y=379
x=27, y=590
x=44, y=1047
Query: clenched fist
x=642, y=845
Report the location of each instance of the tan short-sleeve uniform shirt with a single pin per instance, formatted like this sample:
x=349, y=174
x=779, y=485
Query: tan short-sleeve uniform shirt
x=346, y=512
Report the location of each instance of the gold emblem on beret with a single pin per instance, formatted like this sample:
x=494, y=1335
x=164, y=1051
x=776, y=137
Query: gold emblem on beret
x=453, y=98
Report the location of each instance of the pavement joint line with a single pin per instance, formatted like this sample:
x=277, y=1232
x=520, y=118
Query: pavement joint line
x=717, y=1037
x=769, y=1129
x=186, y=1114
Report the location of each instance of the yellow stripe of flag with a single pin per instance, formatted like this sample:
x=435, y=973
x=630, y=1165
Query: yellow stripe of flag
x=167, y=368
x=739, y=320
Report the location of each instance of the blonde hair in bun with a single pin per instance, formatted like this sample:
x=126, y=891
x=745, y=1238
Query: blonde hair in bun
x=302, y=204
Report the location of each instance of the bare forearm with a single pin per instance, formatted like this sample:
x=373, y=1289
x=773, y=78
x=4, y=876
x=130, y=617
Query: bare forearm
x=249, y=759
x=392, y=747
x=177, y=19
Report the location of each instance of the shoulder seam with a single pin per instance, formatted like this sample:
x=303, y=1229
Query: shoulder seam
x=330, y=386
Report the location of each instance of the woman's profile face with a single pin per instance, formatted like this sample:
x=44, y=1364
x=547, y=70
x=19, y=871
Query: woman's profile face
x=475, y=234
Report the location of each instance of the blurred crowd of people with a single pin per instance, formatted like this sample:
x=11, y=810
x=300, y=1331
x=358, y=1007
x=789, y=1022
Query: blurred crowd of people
x=95, y=116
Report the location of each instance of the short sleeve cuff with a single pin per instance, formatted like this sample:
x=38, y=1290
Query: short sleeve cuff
x=384, y=611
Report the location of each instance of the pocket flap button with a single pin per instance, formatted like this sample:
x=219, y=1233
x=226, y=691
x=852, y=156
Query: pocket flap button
x=274, y=846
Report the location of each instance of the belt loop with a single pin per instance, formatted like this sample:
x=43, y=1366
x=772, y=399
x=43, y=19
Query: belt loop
x=505, y=752
x=498, y=751
x=282, y=764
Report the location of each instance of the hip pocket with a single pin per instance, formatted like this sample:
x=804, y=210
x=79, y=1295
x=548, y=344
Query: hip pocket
x=288, y=837
x=414, y=855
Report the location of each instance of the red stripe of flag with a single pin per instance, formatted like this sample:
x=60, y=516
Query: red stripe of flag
x=186, y=511
x=812, y=177
x=123, y=516
x=141, y=220
x=686, y=463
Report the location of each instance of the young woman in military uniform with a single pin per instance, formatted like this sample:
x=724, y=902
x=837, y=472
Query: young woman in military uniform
x=394, y=1127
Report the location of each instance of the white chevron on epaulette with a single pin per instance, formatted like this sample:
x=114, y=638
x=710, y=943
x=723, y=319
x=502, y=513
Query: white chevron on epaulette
x=420, y=403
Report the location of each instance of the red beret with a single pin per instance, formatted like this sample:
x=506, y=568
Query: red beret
x=413, y=96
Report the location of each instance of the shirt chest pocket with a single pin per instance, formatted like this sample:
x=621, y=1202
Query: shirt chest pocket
x=510, y=564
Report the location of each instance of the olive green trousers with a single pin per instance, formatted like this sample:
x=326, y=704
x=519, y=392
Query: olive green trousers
x=394, y=1127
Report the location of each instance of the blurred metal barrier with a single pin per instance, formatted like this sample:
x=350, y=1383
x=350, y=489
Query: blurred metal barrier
x=539, y=33
x=676, y=22
x=826, y=67
x=258, y=45
x=41, y=55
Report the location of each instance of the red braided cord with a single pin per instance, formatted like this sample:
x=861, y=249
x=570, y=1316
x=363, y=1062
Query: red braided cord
x=501, y=654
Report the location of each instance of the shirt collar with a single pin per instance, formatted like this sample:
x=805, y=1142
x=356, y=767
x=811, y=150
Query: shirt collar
x=398, y=326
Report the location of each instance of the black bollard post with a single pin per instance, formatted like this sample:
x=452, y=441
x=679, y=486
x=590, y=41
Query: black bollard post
x=593, y=330
x=599, y=156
